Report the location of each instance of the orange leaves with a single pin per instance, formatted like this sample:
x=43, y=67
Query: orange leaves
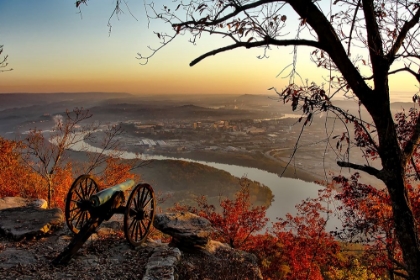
x=238, y=220
x=116, y=171
x=16, y=178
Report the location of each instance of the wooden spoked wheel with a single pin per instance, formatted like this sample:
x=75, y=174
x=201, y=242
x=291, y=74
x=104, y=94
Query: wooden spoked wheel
x=139, y=214
x=78, y=202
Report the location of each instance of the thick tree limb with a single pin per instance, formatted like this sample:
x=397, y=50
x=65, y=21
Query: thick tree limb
x=403, y=34
x=379, y=65
x=412, y=144
x=266, y=42
x=368, y=169
x=308, y=10
x=416, y=75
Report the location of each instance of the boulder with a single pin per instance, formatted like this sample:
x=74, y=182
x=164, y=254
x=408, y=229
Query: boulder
x=219, y=261
x=29, y=222
x=13, y=202
x=188, y=230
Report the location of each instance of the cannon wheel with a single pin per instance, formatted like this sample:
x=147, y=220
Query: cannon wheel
x=139, y=214
x=78, y=203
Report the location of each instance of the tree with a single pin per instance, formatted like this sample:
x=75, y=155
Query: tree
x=238, y=219
x=46, y=154
x=16, y=178
x=389, y=31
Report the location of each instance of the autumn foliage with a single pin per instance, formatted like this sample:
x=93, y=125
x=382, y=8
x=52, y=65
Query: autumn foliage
x=39, y=166
x=296, y=247
x=16, y=178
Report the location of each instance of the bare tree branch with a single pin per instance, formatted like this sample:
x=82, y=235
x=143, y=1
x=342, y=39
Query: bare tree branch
x=3, y=62
x=402, y=35
x=407, y=69
x=368, y=169
x=266, y=42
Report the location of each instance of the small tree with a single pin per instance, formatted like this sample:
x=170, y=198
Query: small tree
x=3, y=62
x=47, y=153
x=237, y=221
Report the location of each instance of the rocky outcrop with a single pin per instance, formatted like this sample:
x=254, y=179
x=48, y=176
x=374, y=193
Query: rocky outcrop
x=13, y=202
x=29, y=222
x=107, y=255
x=188, y=231
x=191, y=234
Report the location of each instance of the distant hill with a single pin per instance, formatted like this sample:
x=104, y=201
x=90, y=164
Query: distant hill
x=185, y=180
x=19, y=100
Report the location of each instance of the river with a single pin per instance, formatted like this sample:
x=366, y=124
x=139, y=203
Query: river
x=287, y=191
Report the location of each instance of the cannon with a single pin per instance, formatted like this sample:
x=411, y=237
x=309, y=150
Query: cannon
x=87, y=207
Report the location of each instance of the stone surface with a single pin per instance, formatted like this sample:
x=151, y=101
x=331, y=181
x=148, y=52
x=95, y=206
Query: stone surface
x=39, y=203
x=28, y=222
x=11, y=257
x=161, y=264
x=107, y=255
x=187, y=230
x=213, y=246
x=13, y=202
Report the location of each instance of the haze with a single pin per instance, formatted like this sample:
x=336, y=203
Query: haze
x=53, y=48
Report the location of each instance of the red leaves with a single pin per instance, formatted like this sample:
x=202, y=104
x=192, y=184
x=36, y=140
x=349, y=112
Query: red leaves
x=367, y=215
x=238, y=219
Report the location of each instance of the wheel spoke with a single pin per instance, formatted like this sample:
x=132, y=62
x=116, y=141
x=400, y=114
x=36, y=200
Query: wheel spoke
x=133, y=229
x=77, y=193
x=131, y=223
x=145, y=228
x=90, y=188
x=138, y=200
x=142, y=197
x=135, y=202
x=137, y=231
x=133, y=212
x=146, y=203
x=82, y=187
x=79, y=218
x=75, y=208
x=76, y=214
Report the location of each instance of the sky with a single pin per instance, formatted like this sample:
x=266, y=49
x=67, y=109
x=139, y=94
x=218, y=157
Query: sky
x=54, y=48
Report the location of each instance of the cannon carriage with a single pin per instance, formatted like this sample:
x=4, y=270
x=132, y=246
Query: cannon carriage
x=86, y=208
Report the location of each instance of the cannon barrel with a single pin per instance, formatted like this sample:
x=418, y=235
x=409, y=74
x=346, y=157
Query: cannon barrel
x=103, y=196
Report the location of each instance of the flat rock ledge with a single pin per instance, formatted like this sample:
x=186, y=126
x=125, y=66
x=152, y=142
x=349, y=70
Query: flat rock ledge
x=188, y=231
x=29, y=222
x=13, y=202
